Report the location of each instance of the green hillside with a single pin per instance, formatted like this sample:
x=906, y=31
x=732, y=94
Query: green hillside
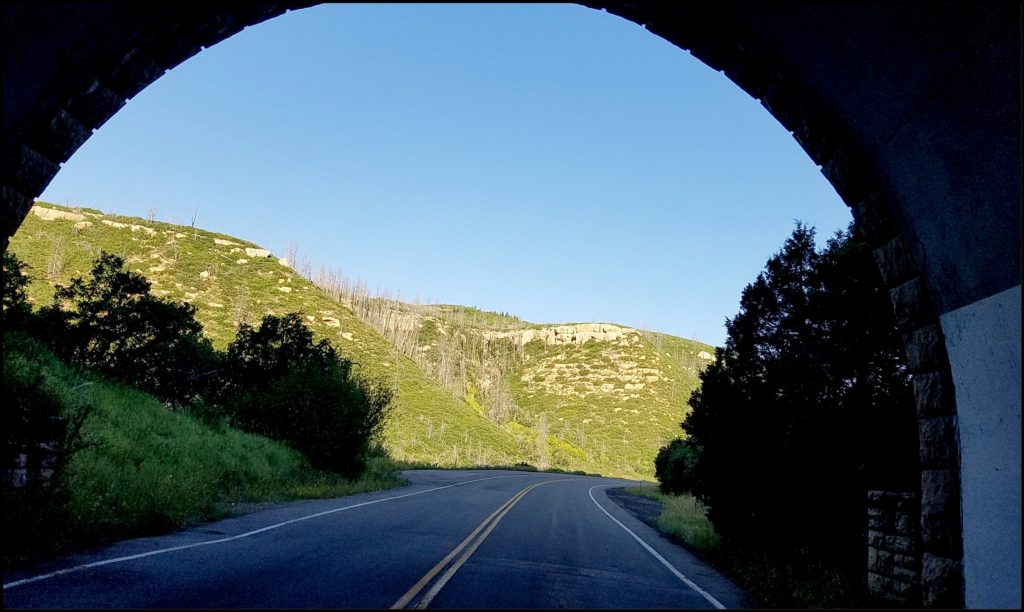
x=228, y=285
x=606, y=396
x=473, y=387
x=591, y=396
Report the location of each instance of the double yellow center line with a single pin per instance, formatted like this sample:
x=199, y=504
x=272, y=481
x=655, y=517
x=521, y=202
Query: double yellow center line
x=467, y=547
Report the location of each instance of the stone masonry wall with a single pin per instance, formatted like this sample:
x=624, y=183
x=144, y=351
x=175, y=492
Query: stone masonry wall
x=894, y=552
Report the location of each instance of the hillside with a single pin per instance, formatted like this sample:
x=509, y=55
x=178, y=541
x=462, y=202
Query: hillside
x=604, y=394
x=231, y=281
x=472, y=387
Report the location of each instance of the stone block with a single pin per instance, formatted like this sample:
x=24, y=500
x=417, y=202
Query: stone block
x=911, y=308
x=877, y=499
x=58, y=138
x=905, y=523
x=940, y=491
x=895, y=262
x=903, y=560
x=901, y=590
x=848, y=175
x=940, y=534
x=135, y=72
x=17, y=478
x=905, y=500
x=879, y=519
x=170, y=51
x=899, y=544
x=925, y=349
x=877, y=582
x=875, y=538
x=214, y=31
x=942, y=583
x=747, y=72
x=818, y=136
x=95, y=105
x=30, y=171
x=906, y=574
x=880, y=561
x=14, y=209
x=940, y=512
x=934, y=394
x=937, y=442
x=872, y=217
x=892, y=589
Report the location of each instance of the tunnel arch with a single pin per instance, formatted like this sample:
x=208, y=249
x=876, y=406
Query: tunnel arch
x=913, y=116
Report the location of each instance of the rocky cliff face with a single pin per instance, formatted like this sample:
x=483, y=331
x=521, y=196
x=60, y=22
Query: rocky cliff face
x=579, y=333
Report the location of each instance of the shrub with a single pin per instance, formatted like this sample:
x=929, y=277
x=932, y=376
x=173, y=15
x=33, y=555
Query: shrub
x=280, y=384
x=112, y=324
x=673, y=467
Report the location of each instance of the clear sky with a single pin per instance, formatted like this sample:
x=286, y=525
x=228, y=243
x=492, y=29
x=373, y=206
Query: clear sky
x=551, y=161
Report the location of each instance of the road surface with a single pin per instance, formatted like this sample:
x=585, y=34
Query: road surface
x=450, y=539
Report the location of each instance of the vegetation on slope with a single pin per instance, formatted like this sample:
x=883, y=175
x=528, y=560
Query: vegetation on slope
x=141, y=468
x=463, y=396
x=610, y=402
x=581, y=396
x=231, y=281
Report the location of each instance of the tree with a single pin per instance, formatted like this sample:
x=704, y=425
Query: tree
x=261, y=355
x=16, y=309
x=806, y=406
x=111, y=323
x=280, y=384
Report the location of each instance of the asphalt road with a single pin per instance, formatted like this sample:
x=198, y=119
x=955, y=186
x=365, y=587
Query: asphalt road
x=451, y=539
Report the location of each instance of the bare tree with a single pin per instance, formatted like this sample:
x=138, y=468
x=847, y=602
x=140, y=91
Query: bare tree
x=543, y=454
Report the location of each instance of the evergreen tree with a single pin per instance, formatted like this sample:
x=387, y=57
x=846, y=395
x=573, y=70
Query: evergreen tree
x=16, y=309
x=280, y=384
x=806, y=406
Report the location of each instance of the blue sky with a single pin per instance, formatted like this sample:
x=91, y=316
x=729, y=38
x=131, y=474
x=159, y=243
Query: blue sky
x=551, y=161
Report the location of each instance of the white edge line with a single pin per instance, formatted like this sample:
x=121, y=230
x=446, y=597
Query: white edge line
x=161, y=551
x=672, y=569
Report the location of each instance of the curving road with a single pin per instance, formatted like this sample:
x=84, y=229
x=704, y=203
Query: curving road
x=450, y=539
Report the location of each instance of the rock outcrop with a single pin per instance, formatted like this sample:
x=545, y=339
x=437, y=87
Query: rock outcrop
x=567, y=334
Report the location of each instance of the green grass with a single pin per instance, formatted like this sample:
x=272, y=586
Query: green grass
x=149, y=470
x=786, y=579
x=683, y=517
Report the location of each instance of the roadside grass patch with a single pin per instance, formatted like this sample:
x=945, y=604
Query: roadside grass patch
x=148, y=470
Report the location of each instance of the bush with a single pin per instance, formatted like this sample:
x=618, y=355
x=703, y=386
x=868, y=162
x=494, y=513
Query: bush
x=281, y=385
x=112, y=324
x=673, y=467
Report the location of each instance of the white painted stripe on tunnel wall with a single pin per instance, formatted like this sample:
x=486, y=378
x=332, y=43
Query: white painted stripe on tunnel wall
x=983, y=341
